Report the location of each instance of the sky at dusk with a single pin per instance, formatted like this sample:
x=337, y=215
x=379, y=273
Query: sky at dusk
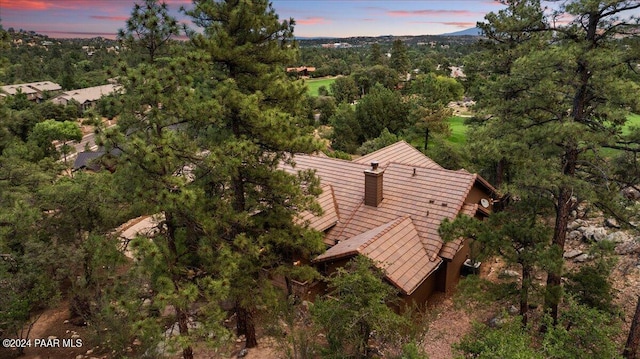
x=314, y=18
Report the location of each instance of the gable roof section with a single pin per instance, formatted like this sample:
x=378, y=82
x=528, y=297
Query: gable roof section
x=31, y=87
x=400, y=152
x=45, y=86
x=428, y=197
x=86, y=160
x=89, y=159
x=88, y=94
x=395, y=247
x=345, y=177
x=329, y=216
x=401, y=233
x=13, y=89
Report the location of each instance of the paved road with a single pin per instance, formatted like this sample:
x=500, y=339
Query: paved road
x=88, y=141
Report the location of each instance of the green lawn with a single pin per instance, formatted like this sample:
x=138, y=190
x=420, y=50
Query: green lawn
x=633, y=120
x=458, y=130
x=314, y=85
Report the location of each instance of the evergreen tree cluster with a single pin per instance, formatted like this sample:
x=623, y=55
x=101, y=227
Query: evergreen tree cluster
x=204, y=126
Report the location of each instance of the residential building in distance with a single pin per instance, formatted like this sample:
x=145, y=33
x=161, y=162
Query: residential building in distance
x=35, y=91
x=86, y=97
x=302, y=71
x=337, y=45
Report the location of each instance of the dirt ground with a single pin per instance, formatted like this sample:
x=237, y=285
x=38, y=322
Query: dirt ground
x=54, y=324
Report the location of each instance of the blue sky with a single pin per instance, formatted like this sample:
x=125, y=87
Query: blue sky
x=333, y=18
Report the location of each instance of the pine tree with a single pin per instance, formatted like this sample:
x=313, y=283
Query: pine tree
x=633, y=340
x=183, y=263
x=399, y=58
x=375, y=55
x=259, y=127
x=554, y=96
x=150, y=27
x=518, y=235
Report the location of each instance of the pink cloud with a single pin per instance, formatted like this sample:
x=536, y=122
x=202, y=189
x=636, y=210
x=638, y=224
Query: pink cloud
x=493, y=2
x=460, y=24
x=403, y=13
x=27, y=5
x=112, y=18
x=68, y=4
x=312, y=21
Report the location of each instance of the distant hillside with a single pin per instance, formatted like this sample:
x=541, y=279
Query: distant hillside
x=474, y=31
x=387, y=40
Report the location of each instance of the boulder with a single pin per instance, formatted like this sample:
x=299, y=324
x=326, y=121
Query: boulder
x=576, y=224
x=593, y=234
x=574, y=235
x=510, y=273
x=496, y=322
x=631, y=193
x=572, y=253
x=243, y=353
x=618, y=237
x=581, y=258
x=611, y=223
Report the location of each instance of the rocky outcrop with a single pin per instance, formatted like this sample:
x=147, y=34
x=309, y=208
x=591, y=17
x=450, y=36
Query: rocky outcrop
x=581, y=232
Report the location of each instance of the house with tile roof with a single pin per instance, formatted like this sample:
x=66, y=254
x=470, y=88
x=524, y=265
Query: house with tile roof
x=35, y=91
x=86, y=97
x=388, y=206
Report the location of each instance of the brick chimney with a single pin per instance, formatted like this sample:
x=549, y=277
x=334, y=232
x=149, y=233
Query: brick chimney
x=373, y=185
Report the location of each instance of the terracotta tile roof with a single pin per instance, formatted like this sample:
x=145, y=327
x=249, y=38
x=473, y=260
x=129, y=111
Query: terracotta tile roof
x=400, y=152
x=329, y=216
x=469, y=209
x=395, y=247
x=449, y=249
x=345, y=177
x=421, y=194
x=428, y=197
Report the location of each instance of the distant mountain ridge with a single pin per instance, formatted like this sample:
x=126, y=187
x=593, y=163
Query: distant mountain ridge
x=474, y=31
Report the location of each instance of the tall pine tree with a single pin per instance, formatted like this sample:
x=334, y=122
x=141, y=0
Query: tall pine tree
x=554, y=96
x=259, y=127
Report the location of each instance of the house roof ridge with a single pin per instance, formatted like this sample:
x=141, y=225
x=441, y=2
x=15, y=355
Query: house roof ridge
x=350, y=218
x=391, y=225
x=335, y=203
x=440, y=169
x=395, y=144
x=334, y=159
